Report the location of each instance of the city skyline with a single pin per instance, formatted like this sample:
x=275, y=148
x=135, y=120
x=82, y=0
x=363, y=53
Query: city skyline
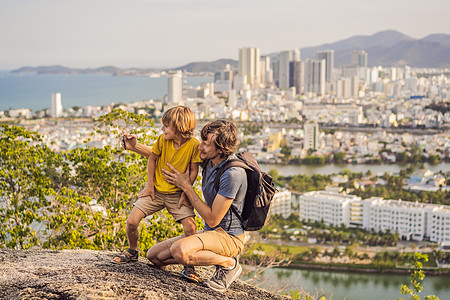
x=149, y=33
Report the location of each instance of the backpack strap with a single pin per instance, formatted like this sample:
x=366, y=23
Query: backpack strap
x=230, y=163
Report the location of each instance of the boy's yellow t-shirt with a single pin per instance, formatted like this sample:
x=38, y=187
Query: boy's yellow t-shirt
x=179, y=158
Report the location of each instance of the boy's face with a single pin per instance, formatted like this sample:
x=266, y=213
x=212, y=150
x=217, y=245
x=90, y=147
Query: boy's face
x=208, y=149
x=169, y=132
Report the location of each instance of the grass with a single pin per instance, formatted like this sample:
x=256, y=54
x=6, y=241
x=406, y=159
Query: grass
x=270, y=249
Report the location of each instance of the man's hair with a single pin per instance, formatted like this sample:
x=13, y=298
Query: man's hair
x=182, y=119
x=224, y=136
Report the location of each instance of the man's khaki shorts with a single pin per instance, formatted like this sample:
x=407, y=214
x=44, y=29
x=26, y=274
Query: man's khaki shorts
x=217, y=241
x=169, y=201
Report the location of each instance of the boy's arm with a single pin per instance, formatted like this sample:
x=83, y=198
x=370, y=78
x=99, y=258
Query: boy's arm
x=132, y=144
x=149, y=189
x=193, y=172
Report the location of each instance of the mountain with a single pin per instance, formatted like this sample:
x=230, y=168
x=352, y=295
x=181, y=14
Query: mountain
x=102, y=70
x=390, y=48
x=443, y=39
x=213, y=66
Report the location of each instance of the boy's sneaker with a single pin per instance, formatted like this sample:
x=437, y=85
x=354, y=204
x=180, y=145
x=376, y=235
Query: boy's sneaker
x=223, y=277
x=190, y=274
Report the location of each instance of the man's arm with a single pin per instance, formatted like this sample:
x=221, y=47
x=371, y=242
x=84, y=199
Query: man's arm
x=212, y=215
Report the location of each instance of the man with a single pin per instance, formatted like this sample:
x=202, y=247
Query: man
x=223, y=237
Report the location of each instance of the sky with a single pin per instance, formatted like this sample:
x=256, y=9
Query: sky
x=172, y=33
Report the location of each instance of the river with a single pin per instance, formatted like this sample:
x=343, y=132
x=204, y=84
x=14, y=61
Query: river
x=287, y=170
x=349, y=286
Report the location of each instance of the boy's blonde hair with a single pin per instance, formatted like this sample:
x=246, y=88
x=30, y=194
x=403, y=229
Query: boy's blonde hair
x=182, y=119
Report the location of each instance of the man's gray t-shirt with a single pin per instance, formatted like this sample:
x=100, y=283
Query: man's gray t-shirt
x=233, y=184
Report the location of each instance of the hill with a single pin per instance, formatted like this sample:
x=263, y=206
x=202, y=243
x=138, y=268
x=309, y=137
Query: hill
x=390, y=48
x=214, y=66
x=88, y=274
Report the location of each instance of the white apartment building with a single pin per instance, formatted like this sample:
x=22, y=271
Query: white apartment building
x=311, y=131
x=408, y=219
x=329, y=207
x=281, y=203
x=411, y=220
x=438, y=224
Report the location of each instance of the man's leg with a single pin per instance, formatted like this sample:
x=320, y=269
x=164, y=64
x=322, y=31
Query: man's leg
x=190, y=228
x=212, y=248
x=160, y=254
x=189, y=251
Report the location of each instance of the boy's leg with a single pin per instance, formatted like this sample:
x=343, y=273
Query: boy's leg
x=189, y=226
x=132, y=230
x=132, y=227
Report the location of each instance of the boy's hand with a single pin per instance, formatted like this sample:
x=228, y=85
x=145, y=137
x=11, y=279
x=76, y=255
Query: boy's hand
x=184, y=200
x=149, y=190
x=129, y=142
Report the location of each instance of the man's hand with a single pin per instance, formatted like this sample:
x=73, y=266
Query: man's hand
x=180, y=180
x=184, y=200
x=129, y=141
x=149, y=190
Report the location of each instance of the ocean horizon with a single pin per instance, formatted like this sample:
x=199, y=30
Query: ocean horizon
x=34, y=91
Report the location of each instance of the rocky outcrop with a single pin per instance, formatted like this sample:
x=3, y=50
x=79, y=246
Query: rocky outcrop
x=88, y=274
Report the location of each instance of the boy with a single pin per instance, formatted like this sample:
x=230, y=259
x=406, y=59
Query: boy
x=178, y=147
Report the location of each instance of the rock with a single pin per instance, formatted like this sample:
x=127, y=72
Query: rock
x=88, y=274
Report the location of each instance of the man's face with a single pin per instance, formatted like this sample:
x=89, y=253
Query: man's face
x=208, y=149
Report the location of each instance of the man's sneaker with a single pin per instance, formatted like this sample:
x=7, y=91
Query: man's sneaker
x=190, y=274
x=223, y=277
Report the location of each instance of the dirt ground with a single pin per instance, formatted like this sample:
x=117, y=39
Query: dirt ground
x=87, y=274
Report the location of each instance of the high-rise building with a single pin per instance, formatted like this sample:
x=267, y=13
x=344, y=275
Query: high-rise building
x=311, y=131
x=283, y=73
x=57, y=109
x=297, y=76
x=315, y=76
x=249, y=66
x=359, y=58
x=328, y=56
x=266, y=70
x=175, y=87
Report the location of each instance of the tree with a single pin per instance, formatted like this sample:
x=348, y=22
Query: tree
x=77, y=198
x=417, y=277
x=30, y=173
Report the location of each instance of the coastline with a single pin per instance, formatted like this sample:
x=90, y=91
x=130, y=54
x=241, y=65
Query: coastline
x=363, y=269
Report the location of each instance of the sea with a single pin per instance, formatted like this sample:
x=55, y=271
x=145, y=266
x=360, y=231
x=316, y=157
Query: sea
x=34, y=91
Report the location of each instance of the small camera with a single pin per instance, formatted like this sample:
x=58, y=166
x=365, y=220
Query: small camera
x=123, y=142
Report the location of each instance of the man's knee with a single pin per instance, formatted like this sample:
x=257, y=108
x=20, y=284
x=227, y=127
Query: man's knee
x=180, y=253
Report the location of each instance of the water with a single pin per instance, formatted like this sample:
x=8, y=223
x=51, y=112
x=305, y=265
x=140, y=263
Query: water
x=34, y=91
x=287, y=170
x=351, y=286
